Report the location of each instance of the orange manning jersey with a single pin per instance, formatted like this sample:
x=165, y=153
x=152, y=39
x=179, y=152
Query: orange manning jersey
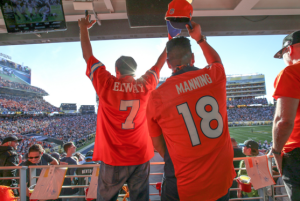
x=122, y=136
x=190, y=111
x=287, y=84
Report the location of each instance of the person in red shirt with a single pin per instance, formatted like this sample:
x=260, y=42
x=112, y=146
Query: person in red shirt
x=286, y=125
x=122, y=139
x=187, y=121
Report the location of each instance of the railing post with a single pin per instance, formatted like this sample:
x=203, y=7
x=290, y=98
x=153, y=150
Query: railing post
x=23, y=185
x=32, y=173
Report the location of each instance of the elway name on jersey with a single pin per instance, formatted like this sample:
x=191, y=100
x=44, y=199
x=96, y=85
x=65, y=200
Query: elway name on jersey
x=128, y=87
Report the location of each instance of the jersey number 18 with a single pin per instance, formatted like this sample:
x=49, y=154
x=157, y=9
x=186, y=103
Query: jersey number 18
x=211, y=123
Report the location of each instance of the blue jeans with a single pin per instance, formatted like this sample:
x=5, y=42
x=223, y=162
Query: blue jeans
x=112, y=178
x=291, y=174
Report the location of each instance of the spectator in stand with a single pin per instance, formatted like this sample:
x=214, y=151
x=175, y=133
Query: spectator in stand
x=123, y=143
x=250, y=149
x=70, y=149
x=198, y=157
x=9, y=157
x=286, y=125
x=259, y=144
x=80, y=157
x=237, y=153
x=85, y=171
x=266, y=145
x=36, y=156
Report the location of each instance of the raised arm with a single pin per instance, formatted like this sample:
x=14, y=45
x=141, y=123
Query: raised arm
x=84, y=24
x=161, y=59
x=210, y=54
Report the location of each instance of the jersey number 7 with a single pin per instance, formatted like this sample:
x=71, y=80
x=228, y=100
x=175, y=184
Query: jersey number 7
x=211, y=123
x=135, y=105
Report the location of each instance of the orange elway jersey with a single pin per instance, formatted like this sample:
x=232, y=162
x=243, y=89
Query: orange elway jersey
x=190, y=110
x=287, y=84
x=122, y=136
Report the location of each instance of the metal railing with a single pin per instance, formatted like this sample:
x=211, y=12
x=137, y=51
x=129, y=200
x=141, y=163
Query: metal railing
x=32, y=175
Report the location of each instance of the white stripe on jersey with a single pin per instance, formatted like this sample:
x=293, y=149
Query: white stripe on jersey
x=155, y=75
x=94, y=68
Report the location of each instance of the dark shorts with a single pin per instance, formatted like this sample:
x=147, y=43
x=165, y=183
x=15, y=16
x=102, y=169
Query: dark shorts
x=112, y=178
x=291, y=174
x=169, y=191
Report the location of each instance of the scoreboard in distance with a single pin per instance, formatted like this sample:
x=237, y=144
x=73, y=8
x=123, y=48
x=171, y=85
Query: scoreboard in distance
x=33, y=16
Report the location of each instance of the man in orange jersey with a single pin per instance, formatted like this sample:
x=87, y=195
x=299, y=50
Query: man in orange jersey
x=286, y=125
x=188, y=115
x=122, y=140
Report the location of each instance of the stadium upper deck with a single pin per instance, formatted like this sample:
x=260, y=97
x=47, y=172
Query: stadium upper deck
x=241, y=86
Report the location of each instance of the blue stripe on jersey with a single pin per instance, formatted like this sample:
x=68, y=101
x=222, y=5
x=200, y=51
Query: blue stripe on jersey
x=94, y=68
x=154, y=74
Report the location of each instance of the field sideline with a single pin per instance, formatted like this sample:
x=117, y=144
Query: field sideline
x=240, y=134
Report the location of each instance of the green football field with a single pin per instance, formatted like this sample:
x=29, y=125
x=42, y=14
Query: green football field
x=240, y=134
x=54, y=9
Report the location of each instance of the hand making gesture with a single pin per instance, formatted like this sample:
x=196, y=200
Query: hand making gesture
x=86, y=23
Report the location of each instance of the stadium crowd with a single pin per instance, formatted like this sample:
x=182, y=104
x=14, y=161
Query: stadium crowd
x=24, y=104
x=70, y=128
x=247, y=101
x=65, y=128
x=248, y=89
x=16, y=85
x=251, y=114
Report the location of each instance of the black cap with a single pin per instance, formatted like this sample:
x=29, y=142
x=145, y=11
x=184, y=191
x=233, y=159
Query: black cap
x=290, y=39
x=251, y=144
x=11, y=138
x=126, y=65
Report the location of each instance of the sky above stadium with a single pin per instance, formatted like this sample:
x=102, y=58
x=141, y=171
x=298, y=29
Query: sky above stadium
x=59, y=68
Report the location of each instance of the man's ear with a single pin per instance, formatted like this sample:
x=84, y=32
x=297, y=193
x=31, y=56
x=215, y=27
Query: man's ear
x=118, y=74
x=290, y=50
x=169, y=65
x=192, y=60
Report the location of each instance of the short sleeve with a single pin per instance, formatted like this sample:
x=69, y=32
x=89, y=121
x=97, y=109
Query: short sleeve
x=152, y=110
x=287, y=84
x=48, y=158
x=151, y=77
x=217, y=71
x=98, y=74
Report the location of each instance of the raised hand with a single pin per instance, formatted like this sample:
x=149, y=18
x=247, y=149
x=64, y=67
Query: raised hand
x=86, y=23
x=195, y=33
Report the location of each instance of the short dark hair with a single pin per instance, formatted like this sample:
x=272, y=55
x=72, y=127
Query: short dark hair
x=67, y=146
x=126, y=65
x=36, y=148
x=179, y=43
